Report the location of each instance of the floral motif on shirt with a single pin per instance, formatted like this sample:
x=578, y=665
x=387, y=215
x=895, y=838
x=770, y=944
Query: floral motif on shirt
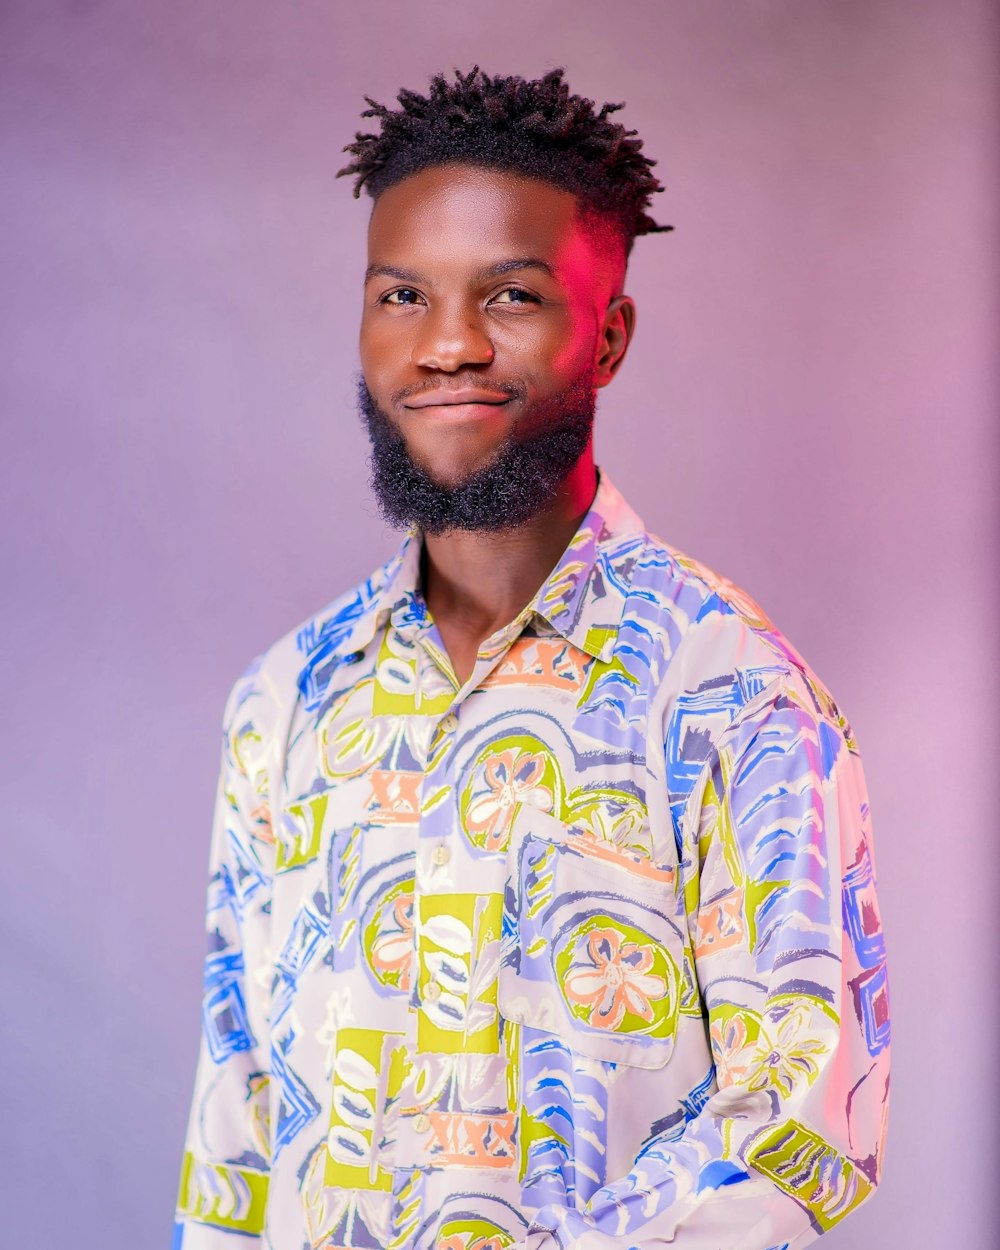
x=786, y=1051
x=618, y=980
x=390, y=945
x=514, y=770
x=511, y=778
x=732, y=1050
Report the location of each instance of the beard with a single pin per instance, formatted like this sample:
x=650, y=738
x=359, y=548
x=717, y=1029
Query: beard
x=519, y=481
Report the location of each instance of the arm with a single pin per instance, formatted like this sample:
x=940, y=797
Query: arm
x=783, y=922
x=224, y=1176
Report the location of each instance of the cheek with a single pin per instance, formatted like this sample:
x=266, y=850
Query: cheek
x=383, y=348
x=558, y=346
x=584, y=287
x=577, y=347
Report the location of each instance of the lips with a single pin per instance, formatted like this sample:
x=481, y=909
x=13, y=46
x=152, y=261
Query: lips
x=467, y=396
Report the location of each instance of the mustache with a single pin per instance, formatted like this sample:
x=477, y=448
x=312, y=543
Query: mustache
x=458, y=382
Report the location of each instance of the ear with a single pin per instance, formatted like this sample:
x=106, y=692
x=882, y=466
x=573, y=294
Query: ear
x=617, y=329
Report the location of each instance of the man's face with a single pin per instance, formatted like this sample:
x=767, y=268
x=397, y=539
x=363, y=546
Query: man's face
x=485, y=325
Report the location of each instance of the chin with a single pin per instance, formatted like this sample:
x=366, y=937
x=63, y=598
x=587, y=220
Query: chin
x=451, y=472
x=451, y=481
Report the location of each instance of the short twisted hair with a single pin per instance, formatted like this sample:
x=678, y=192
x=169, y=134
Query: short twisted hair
x=535, y=128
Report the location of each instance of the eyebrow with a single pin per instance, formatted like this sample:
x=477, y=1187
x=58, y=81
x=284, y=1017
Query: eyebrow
x=492, y=271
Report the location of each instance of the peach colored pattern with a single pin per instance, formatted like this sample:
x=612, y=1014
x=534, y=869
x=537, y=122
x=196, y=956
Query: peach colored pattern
x=720, y=924
x=393, y=951
x=540, y=662
x=619, y=980
x=465, y=1139
x=512, y=777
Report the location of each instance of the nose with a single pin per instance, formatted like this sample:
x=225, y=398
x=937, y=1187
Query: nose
x=450, y=340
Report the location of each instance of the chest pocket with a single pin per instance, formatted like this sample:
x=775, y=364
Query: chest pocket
x=592, y=946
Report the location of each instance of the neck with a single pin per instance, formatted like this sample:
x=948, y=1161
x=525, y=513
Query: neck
x=474, y=583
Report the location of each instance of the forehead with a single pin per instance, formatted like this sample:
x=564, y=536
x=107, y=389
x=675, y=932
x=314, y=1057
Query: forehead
x=460, y=211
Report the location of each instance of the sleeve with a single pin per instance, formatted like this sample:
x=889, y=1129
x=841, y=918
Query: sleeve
x=784, y=927
x=225, y=1170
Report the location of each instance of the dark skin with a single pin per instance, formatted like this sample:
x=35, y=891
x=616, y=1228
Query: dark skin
x=479, y=281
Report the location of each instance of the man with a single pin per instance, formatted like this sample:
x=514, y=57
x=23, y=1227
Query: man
x=542, y=908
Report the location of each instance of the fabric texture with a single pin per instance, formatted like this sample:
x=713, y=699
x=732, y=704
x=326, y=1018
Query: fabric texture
x=583, y=954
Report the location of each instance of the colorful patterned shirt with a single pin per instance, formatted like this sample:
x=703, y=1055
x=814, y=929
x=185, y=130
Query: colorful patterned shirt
x=584, y=953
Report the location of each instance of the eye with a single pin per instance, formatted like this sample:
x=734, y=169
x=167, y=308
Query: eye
x=514, y=295
x=403, y=295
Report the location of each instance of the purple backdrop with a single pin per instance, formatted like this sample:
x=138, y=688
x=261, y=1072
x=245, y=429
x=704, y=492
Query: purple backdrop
x=808, y=407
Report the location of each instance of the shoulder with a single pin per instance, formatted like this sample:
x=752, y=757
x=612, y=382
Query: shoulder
x=298, y=666
x=712, y=623
x=720, y=660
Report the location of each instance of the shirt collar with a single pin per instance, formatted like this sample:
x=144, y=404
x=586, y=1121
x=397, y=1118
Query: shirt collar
x=582, y=599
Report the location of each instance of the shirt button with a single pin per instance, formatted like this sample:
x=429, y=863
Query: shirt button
x=449, y=724
x=432, y=992
x=440, y=855
x=422, y=1123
